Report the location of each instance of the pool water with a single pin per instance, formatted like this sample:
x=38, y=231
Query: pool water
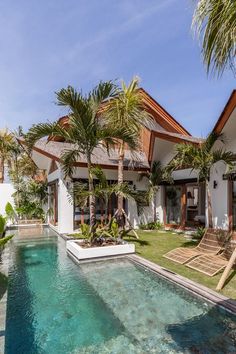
x=114, y=306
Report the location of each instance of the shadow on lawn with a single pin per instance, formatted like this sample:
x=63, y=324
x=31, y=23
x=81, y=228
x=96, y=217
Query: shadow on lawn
x=187, y=244
x=233, y=274
x=140, y=242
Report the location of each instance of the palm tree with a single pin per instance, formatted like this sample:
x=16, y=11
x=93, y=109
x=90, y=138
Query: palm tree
x=215, y=23
x=202, y=158
x=85, y=130
x=155, y=176
x=7, y=145
x=126, y=110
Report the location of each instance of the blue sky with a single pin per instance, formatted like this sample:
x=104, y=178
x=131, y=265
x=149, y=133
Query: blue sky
x=46, y=45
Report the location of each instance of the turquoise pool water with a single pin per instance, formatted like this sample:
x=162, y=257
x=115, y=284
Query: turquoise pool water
x=56, y=306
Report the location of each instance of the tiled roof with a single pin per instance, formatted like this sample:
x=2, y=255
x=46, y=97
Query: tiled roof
x=100, y=155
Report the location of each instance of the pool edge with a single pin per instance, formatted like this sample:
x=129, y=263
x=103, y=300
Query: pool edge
x=196, y=288
x=4, y=268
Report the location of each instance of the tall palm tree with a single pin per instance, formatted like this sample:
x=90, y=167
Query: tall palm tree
x=215, y=24
x=155, y=176
x=202, y=158
x=7, y=145
x=85, y=130
x=126, y=109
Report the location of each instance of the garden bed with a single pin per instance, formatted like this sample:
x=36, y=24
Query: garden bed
x=82, y=251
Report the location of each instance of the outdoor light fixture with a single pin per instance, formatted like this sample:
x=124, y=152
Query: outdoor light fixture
x=215, y=184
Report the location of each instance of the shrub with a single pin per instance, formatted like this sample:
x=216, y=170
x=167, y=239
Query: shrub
x=151, y=226
x=199, y=233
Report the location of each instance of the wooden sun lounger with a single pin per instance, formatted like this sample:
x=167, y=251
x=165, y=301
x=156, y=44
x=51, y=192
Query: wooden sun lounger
x=213, y=264
x=212, y=243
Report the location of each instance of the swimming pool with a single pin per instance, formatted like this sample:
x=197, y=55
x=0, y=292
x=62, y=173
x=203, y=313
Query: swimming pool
x=115, y=306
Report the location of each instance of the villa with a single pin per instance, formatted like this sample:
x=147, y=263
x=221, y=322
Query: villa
x=181, y=204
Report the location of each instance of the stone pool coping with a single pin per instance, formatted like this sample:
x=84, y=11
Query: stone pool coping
x=193, y=287
x=4, y=265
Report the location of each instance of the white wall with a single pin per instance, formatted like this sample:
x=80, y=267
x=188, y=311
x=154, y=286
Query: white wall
x=65, y=209
x=219, y=195
x=6, y=191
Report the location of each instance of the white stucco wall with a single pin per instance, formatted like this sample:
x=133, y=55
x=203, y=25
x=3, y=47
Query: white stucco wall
x=6, y=191
x=219, y=196
x=65, y=209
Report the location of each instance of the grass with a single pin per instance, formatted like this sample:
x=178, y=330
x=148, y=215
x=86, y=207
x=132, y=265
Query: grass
x=152, y=245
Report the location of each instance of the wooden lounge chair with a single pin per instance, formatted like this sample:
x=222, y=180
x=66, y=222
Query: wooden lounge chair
x=213, y=264
x=212, y=243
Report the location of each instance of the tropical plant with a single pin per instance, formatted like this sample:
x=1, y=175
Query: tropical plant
x=126, y=110
x=202, y=157
x=4, y=240
x=2, y=225
x=85, y=130
x=114, y=232
x=215, y=24
x=103, y=191
x=151, y=226
x=199, y=233
x=155, y=176
x=30, y=198
x=7, y=146
x=10, y=212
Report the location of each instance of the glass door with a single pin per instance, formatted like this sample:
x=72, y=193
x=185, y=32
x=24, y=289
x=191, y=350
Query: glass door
x=173, y=205
x=53, y=203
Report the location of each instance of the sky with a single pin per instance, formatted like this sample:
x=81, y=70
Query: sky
x=49, y=44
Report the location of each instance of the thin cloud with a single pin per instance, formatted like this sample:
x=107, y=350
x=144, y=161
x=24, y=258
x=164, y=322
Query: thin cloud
x=129, y=25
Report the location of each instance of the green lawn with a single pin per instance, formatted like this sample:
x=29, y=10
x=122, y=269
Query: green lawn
x=153, y=244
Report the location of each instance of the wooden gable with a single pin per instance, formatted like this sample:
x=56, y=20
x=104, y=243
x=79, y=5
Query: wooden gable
x=53, y=167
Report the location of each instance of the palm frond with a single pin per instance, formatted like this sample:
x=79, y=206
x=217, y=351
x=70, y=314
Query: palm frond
x=214, y=22
x=225, y=156
x=102, y=92
x=39, y=131
x=98, y=173
x=211, y=140
x=69, y=158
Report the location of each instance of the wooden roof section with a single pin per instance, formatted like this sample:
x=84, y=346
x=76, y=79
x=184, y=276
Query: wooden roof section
x=161, y=116
x=227, y=111
x=164, y=127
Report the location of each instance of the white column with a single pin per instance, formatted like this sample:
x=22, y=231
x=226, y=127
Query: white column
x=65, y=209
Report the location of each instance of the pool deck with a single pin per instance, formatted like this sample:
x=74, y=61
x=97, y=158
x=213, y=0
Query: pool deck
x=197, y=289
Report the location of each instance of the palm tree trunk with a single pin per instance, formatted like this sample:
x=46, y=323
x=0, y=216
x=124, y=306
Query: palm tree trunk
x=155, y=207
x=209, y=205
x=92, y=202
x=2, y=170
x=119, y=215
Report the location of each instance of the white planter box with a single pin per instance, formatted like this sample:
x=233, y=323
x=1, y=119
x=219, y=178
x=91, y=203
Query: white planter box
x=80, y=253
